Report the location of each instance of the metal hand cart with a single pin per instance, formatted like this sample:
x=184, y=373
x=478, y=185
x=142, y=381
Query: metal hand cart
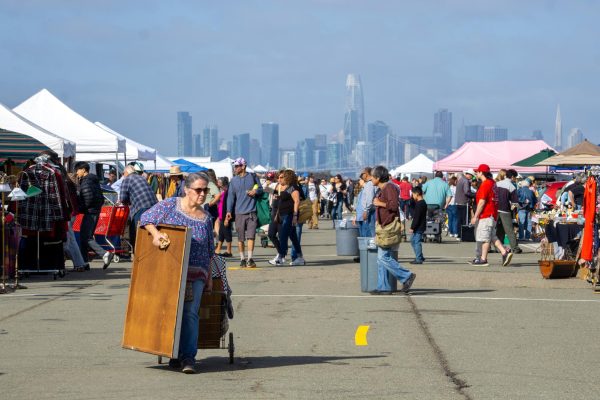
x=215, y=311
x=435, y=223
x=111, y=224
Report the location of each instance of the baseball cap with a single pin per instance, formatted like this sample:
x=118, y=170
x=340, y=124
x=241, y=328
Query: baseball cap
x=469, y=171
x=239, y=161
x=483, y=168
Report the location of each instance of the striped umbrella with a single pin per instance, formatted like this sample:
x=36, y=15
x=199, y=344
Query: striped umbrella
x=18, y=147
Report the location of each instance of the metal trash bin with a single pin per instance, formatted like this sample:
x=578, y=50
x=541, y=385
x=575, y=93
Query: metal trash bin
x=368, y=265
x=345, y=238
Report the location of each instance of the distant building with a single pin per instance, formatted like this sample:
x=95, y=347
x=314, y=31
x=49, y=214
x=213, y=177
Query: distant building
x=537, y=135
x=494, y=134
x=321, y=159
x=354, y=118
x=305, y=151
x=473, y=133
x=197, y=140
x=270, y=144
x=255, y=152
x=288, y=159
x=240, y=146
x=184, y=134
x=320, y=141
x=210, y=141
x=575, y=137
x=442, y=129
x=377, y=135
x=558, y=130
x=335, y=156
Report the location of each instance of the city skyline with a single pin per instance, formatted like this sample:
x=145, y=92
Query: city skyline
x=248, y=62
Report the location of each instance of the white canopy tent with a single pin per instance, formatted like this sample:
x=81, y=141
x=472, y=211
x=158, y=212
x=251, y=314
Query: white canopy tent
x=260, y=169
x=161, y=164
x=134, y=151
x=47, y=111
x=13, y=122
x=419, y=164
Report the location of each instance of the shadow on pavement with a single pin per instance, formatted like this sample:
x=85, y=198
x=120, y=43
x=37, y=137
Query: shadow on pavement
x=416, y=292
x=220, y=364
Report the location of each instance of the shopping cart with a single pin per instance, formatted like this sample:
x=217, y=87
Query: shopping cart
x=111, y=224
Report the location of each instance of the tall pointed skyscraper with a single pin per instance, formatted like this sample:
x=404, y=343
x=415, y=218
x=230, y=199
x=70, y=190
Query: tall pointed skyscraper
x=558, y=130
x=354, y=119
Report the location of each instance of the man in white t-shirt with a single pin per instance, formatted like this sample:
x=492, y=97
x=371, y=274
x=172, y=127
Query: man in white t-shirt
x=323, y=195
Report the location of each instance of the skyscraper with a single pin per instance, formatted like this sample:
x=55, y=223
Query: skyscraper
x=241, y=146
x=270, y=144
x=354, y=118
x=473, y=133
x=210, y=141
x=196, y=139
x=494, y=134
x=575, y=137
x=377, y=141
x=442, y=129
x=255, y=152
x=558, y=130
x=184, y=134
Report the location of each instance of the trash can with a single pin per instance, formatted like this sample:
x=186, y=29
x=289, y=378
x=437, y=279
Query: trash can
x=345, y=238
x=368, y=266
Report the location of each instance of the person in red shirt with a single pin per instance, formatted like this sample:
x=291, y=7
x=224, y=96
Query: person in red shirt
x=485, y=217
x=405, y=194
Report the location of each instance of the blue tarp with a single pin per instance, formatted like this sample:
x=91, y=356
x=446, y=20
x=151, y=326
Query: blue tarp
x=188, y=166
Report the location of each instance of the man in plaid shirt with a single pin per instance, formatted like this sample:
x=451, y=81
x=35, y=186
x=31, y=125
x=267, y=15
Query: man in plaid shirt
x=136, y=192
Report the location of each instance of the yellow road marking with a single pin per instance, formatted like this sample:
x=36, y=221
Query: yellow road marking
x=245, y=269
x=360, y=337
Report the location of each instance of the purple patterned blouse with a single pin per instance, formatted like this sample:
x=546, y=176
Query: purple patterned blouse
x=169, y=212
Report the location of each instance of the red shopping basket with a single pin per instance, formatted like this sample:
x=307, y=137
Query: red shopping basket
x=111, y=221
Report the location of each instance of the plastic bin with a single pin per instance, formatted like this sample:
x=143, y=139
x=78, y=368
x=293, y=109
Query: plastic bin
x=368, y=265
x=345, y=238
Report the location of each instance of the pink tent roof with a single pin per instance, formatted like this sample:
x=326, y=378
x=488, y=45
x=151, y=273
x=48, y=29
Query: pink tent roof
x=497, y=155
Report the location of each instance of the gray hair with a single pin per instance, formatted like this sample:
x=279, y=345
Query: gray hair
x=194, y=176
x=129, y=169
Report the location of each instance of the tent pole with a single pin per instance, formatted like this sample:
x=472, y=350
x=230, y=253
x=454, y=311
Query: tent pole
x=117, y=162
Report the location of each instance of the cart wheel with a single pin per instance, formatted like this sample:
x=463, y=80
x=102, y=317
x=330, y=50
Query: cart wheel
x=62, y=273
x=116, y=258
x=439, y=239
x=231, y=348
x=159, y=360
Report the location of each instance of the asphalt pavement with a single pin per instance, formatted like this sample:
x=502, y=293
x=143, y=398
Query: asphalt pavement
x=465, y=332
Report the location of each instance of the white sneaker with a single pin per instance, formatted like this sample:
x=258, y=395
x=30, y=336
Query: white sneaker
x=298, y=261
x=277, y=260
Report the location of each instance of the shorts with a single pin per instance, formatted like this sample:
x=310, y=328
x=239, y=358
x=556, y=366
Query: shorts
x=486, y=230
x=245, y=225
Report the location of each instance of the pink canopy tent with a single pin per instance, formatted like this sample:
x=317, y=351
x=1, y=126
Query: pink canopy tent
x=497, y=155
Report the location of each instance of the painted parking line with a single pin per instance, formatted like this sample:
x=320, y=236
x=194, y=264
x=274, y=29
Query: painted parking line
x=427, y=296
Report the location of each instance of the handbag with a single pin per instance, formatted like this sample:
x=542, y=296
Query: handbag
x=389, y=235
x=305, y=211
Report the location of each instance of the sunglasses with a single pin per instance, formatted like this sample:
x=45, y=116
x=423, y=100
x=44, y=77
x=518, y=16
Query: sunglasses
x=201, y=190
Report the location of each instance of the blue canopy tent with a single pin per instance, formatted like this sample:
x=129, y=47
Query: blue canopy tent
x=188, y=166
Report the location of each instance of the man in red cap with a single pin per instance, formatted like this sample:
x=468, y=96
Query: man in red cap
x=484, y=219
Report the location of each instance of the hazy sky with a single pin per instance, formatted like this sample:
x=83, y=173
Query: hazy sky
x=133, y=64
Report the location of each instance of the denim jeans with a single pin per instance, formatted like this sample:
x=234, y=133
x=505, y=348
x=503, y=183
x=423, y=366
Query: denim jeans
x=188, y=341
x=133, y=225
x=336, y=211
x=299, y=236
x=416, y=242
x=72, y=247
x=282, y=233
x=86, y=236
x=385, y=262
x=524, y=217
x=370, y=228
x=453, y=227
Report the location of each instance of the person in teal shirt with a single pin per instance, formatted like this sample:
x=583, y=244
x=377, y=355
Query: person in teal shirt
x=437, y=191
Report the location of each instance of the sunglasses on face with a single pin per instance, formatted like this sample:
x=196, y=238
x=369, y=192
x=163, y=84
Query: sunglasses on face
x=201, y=190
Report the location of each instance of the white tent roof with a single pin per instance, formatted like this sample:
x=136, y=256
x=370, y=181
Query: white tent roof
x=162, y=164
x=47, y=111
x=13, y=122
x=260, y=169
x=420, y=163
x=134, y=150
